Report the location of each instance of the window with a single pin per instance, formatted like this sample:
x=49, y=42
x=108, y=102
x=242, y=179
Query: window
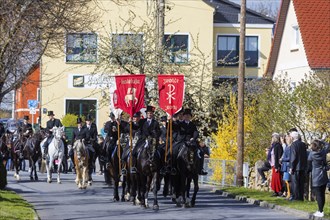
x=127, y=48
x=296, y=37
x=81, y=107
x=228, y=51
x=176, y=48
x=81, y=48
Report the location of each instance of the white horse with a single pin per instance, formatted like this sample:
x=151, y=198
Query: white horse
x=55, y=150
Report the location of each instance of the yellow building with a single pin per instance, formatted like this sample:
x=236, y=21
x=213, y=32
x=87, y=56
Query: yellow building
x=72, y=84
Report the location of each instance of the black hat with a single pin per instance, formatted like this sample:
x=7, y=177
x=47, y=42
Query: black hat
x=150, y=108
x=50, y=113
x=112, y=115
x=137, y=114
x=79, y=120
x=88, y=118
x=180, y=111
x=163, y=118
x=187, y=112
x=26, y=117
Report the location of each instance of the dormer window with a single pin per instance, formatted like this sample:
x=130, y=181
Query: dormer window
x=295, y=38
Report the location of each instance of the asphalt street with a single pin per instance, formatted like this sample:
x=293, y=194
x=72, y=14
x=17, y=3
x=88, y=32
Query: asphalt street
x=54, y=201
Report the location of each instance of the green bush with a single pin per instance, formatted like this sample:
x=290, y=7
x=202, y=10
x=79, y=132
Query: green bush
x=70, y=120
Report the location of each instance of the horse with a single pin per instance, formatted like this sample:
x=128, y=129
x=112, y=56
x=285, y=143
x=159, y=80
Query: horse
x=32, y=151
x=148, y=166
x=55, y=150
x=81, y=159
x=188, y=170
x=115, y=170
x=5, y=153
x=14, y=142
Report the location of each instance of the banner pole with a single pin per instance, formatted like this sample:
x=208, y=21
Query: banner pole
x=118, y=151
x=166, y=142
x=130, y=144
x=171, y=142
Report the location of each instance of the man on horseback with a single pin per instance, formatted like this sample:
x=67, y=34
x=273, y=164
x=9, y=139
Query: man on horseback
x=191, y=134
x=52, y=122
x=90, y=141
x=26, y=131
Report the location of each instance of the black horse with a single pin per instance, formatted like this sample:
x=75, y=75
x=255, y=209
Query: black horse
x=188, y=170
x=4, y=156
x=114, y=157
x=32, y=151
x=149, y=162
x=14, y=142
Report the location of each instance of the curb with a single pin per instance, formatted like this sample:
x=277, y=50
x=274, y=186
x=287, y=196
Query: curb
x=264, y=204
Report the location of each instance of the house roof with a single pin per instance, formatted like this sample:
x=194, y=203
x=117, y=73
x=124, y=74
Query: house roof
x=275, y=49
x=227, y=12
x=314, y=23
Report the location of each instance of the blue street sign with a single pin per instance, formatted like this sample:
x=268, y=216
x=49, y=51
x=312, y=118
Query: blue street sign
x=32, y=103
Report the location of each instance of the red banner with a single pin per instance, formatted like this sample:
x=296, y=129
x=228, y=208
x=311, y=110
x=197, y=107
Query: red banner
x=171, y=92
x=130, y=93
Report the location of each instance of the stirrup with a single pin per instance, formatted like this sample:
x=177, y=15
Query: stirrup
x=133, y=170
x=107, y=165
x=123, y=172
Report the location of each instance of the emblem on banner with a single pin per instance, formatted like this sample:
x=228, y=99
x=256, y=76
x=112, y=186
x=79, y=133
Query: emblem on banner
x=131, y=96
x=170, y=93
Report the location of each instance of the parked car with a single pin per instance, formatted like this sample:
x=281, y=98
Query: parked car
x=4, y=121
x=13, y=125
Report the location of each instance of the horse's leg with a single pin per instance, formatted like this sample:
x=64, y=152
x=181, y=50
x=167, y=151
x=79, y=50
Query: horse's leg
x=142, y=188
x=59, y=167
x=155, y=189
x=49, y=168
x=31, y=167
x=123, y=185
x=34, y=167
x=196, y=188
x=83, y=176
x=187, y=203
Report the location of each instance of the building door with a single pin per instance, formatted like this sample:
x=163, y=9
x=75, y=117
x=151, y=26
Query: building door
x=81, y=107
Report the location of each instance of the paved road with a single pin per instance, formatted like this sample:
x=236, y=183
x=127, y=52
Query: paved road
x=64, y=201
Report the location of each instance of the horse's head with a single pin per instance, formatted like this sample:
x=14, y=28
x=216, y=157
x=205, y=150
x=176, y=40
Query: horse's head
x=58, y=132
x=151, y=149
x=80, y=150
x=124, y=139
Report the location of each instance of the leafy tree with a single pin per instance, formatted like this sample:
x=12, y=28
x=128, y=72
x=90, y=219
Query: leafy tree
x=28, y=27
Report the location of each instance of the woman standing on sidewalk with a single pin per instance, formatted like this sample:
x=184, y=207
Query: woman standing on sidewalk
x=285, y=168
x=276, y=154
x=317, y=164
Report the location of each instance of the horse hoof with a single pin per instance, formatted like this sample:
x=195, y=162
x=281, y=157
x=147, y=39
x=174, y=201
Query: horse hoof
x=36, y=178
x=89, y=183
x=122, y=199
x=31, y=178
x=174, y=200
x=155, y=207
x=59, y=182
x=49, y=181
x=115, y=199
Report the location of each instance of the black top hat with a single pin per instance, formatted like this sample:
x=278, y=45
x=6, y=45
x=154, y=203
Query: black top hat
x=26, y=117
x=50, y=113
x=187, y=112
x=163, y=118
x=137, y=114
x=79, y=120
x=150, y=108
x=88, y=118
x=112, y=115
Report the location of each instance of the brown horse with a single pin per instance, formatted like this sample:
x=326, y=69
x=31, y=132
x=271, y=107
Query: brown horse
x=81, y=158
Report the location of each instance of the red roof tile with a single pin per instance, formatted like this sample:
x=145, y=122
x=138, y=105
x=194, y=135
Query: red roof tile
x=314, y=24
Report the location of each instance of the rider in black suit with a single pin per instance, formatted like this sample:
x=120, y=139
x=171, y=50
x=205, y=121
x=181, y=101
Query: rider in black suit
x=52, y=122
x=191, y=134
x=90, y=141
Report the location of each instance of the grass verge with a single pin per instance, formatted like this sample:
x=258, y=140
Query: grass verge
x=12, y=206
x=306, y=206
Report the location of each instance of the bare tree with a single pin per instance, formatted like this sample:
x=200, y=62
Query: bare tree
x=28, y=27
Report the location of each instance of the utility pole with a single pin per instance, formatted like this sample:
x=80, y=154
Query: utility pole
x=160, y=26
x=241, y=75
